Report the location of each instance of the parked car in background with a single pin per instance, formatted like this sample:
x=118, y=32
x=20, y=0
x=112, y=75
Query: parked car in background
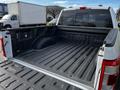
x=82, y=52
x=22, y=14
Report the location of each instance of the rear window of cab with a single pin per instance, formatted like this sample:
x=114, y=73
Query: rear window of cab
x=86, y=18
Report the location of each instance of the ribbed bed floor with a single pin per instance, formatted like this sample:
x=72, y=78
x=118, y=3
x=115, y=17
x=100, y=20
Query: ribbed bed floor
x=75, y=61
x=14, y=76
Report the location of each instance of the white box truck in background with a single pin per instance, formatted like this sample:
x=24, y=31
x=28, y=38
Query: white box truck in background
x=24, y=14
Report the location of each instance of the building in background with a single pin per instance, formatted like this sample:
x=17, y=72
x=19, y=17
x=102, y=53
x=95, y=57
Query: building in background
x=3, y=9
x=53, y=12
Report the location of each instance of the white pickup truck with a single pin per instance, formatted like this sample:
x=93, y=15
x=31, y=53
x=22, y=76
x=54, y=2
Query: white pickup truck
x=80, y=53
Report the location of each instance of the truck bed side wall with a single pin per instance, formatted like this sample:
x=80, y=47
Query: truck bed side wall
x=22, y=40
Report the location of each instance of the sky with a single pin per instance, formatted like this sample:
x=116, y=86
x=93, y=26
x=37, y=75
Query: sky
x=67, y=3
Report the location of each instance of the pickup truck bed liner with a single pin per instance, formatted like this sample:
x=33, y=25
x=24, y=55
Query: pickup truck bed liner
x=14, y=76
x=76, y=61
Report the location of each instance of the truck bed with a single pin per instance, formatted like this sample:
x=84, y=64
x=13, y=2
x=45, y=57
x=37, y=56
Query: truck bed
x=14, y=76
x=76, y=61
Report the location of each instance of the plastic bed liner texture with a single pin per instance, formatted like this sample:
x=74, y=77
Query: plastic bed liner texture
x=76, y=61
x=17, y=77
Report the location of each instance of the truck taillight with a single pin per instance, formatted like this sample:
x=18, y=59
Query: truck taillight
x=109, y=74
x=112, y=79
x=2, y=49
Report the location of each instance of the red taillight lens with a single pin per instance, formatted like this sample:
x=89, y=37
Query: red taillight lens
x=112, y=79
x=2, y=49
x=109, y=73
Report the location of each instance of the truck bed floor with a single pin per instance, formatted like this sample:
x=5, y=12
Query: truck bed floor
x=72, y=60
x=17, y=77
